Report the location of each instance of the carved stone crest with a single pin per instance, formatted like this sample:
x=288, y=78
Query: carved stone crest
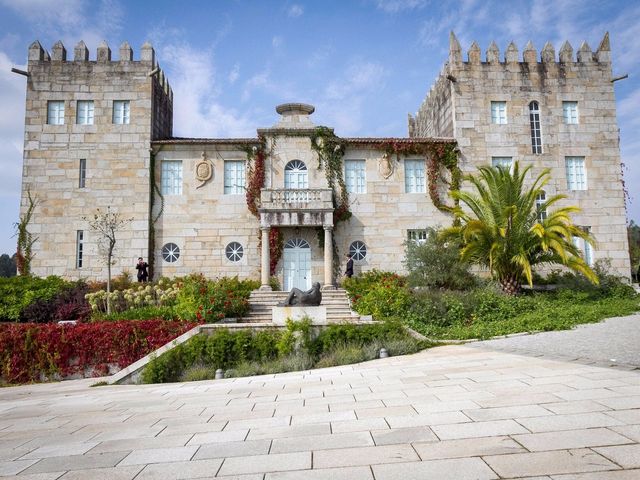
x=385, y=166
x=204, y=170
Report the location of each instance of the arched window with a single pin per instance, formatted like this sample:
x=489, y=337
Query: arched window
x=295, y=175
x=536, y=135
x=541, y=212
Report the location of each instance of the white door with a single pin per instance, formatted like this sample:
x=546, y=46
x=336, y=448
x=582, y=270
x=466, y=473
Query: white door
x=297, y=264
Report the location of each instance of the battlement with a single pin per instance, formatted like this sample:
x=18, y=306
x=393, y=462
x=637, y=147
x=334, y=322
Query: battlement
x=38, y=56
x=529, y=54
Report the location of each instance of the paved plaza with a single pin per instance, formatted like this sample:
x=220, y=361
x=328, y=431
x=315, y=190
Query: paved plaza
x=454, y=412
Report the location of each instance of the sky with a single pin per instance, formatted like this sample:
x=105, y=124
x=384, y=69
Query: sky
x=364, y=64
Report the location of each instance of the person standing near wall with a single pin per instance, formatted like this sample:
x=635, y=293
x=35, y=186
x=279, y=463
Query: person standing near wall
x=143, y=273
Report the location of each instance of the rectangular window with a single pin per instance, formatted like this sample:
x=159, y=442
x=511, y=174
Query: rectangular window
x=418, y=236
x=84, y=112
x=499, y=113
x=414, y=176
x=234, y=177
x=570, y=112
x=121, y=110
x=355, y=176
x=585, y=248
x=504, y=162
x=55, y=112
x=79, y=247
x=82, y=173
x=576, y=173
x=536, y=135
x=171, y=181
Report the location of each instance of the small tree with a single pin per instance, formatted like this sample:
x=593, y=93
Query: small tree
x=24, y=251
x=107, y=225
x=436, y=263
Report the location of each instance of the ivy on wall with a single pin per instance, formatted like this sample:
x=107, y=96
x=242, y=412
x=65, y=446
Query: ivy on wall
x=24, y=251
x=330, y=150
x=256, y=157
x=437, y=156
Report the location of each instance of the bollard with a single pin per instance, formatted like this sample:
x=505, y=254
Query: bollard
x=219, y=374
x=384, y=353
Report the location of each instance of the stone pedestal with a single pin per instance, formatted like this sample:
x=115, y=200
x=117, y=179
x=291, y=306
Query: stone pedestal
x=318, y=315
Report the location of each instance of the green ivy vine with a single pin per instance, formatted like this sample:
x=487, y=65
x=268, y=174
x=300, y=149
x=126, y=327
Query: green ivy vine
x=437, y=156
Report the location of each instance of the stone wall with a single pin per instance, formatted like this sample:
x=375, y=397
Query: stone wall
x=117, y=156
x=549, y=80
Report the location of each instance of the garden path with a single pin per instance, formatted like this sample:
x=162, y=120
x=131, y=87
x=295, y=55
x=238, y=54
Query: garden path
x=454, y=412
x=612, y=342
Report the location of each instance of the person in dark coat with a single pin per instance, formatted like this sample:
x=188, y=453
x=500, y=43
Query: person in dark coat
x=143, y=273
x=349, y=271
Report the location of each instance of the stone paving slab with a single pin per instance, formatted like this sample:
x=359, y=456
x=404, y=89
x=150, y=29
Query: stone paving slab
x=453, y=412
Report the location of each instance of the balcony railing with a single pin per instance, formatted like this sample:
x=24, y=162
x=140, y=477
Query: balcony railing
x=296, y=199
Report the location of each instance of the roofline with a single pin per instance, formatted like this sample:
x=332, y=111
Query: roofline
x=348, y=140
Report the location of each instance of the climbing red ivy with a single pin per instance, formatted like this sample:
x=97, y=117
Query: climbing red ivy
x=31, y=352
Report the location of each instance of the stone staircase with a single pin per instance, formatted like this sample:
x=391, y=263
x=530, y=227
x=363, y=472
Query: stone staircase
x=336, y=301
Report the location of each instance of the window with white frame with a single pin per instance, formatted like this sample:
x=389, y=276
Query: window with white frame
x=234, y=252
x=170, y=252
x=84, y=112
x=234, y=177
x=536, y=135
x=499, y=113
x=585, y=247
x=414, y=176
x=570, y=112
x=504, y=162
x=541, y=212
x=355, y=176
x=82, y=173
x=358, y=250
x=576, y=173
x=417, y=236
x=121, y=110
x=79, y=247
x=55, y=112
x=171, y=177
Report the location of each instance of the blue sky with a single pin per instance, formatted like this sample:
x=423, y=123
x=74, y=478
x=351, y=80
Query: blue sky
x=364, y=64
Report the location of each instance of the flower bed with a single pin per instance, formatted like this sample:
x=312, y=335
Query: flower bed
x=32, y=352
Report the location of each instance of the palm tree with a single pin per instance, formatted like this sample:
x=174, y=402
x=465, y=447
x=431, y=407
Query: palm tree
x=502, y=230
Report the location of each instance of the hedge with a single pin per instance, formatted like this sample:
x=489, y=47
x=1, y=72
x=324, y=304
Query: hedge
x=32, y=352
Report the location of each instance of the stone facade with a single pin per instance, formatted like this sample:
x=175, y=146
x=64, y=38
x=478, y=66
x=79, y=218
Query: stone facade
x=459, y=105
x=127, y=166
x=116, y=156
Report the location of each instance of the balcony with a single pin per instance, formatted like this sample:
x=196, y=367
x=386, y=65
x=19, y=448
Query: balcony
x=296, y=208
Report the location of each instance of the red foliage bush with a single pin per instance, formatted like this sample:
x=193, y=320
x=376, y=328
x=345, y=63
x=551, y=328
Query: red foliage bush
x=33, y=352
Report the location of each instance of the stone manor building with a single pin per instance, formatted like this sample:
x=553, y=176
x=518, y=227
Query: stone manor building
x=98, y=133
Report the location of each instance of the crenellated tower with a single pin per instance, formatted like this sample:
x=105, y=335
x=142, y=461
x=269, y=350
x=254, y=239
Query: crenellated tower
x=88, y=129
x=546, y=110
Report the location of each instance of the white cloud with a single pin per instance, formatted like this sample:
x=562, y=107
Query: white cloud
x=12, y=98
x=395, y=6
x=57, y=14
x=234, y=74
x=341, y=103
x=295, y=11
x=277, y=41
x=198, y=111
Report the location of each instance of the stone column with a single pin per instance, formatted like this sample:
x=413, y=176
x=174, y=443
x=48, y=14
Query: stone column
x=266, y=261
x=328, y=258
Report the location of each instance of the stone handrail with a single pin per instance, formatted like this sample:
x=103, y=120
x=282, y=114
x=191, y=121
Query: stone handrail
x=308, y=198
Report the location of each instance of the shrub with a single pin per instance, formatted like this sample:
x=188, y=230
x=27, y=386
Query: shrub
x=68, y=304
x=31, y=352
x=245, y=352
x=17, y=293
x=142, y=313
x=381, y=294
x=162, y=294
x=198, y=372
x=436, y=263
x=205, y=300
